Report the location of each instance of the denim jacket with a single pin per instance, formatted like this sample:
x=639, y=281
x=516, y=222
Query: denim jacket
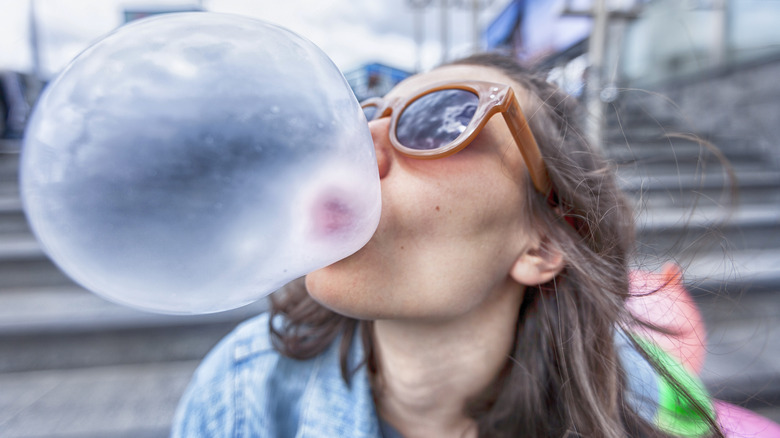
x=245, y=388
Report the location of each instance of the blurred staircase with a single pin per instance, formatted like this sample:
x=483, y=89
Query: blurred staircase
x=74, y=365
x=721, y=223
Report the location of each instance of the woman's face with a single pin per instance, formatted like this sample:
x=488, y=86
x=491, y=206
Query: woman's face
x=451, y=228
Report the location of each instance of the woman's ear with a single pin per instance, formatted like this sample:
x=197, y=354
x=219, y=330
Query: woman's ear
x=538, y=264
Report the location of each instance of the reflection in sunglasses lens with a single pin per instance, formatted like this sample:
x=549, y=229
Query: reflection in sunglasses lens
x=436, y=119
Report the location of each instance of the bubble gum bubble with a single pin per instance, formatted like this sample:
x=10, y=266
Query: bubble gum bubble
x=193, y=163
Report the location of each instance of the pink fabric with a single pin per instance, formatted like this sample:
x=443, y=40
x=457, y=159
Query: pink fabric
x=738, y=422
x=661, y=298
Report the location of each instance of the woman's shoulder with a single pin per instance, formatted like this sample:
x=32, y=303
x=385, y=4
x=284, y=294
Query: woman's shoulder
x=244, y=384
x=243, y=371
x=249, y=340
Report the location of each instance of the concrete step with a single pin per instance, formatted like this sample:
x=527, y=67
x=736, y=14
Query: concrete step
x=665, y=163
x=638, y=129
x=24, y=264
x=9, y=158
x=712, y=197
x=19, y=246
x=636, y=180
x=675, y=149
x=58, y=310
x=691, y=192
x=743, y=356
x=9, y=146
x=720, y=229
x=729, y=273
x=32, y=272
x=12, y=218
x=64, y=328
x=121, y=401
x=664, y=158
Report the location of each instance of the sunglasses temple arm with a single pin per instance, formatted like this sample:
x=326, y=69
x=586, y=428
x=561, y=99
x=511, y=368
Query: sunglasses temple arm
x=528, y=148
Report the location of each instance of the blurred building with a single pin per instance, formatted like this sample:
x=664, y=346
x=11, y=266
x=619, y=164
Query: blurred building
x=716, y=59
x=539, y=30
x=673, y=39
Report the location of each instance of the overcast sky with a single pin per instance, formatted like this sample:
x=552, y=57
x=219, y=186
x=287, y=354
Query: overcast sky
x=351, y=32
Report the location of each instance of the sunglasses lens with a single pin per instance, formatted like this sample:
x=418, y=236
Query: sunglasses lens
x=370, y=111
x=436, y=119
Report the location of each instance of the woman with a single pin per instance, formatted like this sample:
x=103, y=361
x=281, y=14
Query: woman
x=489, y=302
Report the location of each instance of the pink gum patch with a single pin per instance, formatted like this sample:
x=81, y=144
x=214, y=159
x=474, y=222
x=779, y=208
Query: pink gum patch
x=331, y=213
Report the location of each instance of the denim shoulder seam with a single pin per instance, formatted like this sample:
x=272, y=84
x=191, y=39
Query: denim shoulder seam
x=304, y=426
x=252, y=338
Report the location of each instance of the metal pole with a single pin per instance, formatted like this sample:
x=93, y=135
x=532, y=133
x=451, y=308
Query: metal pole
x=34, y=47
x=477, y=46
x=445, y=45
x=418, y=37
x=720, y=33
x=419, y=7
x=596, y=43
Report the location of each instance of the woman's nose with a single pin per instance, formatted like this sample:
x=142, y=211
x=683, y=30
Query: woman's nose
x=380, y=133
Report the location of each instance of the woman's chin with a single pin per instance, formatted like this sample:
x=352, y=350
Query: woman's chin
x=343, y=293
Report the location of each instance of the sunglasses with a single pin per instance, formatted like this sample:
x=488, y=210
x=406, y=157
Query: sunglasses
x=442, y=119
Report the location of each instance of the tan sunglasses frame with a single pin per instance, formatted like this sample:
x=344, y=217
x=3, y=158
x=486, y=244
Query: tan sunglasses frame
x=493, y=98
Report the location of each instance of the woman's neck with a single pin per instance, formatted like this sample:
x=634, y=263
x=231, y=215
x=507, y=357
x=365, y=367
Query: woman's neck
x=430, y=370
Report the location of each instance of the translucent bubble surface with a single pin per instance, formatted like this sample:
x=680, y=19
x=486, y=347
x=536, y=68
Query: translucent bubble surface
x=193, y=163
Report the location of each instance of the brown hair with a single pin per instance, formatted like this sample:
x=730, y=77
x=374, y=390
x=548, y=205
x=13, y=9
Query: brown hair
x=564, y=376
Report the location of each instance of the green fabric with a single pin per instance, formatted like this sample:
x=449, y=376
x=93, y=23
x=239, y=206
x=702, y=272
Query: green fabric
x=677, y=415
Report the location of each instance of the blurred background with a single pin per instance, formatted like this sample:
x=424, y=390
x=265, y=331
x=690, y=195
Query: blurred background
x=654, y=75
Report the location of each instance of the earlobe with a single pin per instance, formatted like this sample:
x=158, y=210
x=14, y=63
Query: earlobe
x=537, y=265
